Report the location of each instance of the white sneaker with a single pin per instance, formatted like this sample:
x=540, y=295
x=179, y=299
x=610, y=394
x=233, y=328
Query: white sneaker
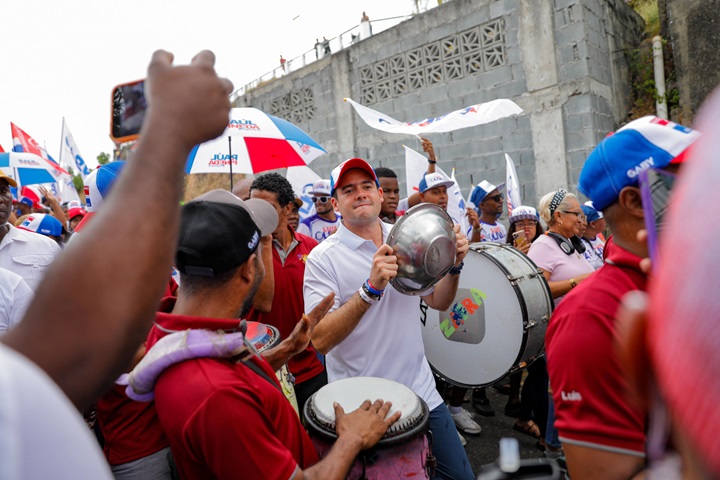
x=464, y=422
x=462, y=439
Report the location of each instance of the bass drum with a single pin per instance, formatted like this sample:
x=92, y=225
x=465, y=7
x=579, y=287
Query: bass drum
x=497, y=322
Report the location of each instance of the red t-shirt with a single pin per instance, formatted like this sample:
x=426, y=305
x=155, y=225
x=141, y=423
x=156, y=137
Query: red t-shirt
x=131, y=429
x=587, y=378
x=222, y=419
x=288, y=304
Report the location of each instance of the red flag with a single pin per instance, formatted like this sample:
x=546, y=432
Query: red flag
x=1, y=149
x=22, y=142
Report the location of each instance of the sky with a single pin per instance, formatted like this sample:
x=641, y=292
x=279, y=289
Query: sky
x=62, y=59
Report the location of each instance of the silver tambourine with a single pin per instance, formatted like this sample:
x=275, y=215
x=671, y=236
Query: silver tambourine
x=424, y=242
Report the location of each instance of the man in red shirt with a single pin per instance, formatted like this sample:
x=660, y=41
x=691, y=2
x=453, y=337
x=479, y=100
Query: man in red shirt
x=289, y=252
x=602, y=431
x=225, y=417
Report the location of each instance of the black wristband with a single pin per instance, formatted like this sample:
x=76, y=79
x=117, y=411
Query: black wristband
x=432, y=162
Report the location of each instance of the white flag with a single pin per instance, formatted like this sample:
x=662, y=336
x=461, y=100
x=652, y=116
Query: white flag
x=466, y=117
x=415, y=169
x=70, y=154
x=512, y=185
x=302, y=179
x=66, y=189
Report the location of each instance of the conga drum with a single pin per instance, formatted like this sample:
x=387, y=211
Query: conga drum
x=403, y=451
x=264, y=337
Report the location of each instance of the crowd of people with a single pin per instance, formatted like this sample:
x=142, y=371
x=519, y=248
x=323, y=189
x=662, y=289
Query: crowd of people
x=142, y=327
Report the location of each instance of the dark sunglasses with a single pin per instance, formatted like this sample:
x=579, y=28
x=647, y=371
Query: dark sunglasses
x=320, y=199
x=497, y=197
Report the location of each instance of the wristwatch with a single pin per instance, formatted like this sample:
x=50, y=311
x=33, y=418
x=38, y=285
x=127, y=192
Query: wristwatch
x=573, y=283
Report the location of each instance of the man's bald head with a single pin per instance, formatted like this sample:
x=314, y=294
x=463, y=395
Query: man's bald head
x=242, y=188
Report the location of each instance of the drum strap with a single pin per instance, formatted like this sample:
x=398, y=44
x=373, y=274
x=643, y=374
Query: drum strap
x=252, y=366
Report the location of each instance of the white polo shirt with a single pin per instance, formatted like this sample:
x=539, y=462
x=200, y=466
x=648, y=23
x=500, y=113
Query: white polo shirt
x=387, y=342
x=28, y=254
x=15, y=297
x=42, y=435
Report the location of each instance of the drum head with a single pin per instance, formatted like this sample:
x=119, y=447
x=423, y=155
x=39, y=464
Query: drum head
x=261, y=336
x=350, y=393
x=480, y=338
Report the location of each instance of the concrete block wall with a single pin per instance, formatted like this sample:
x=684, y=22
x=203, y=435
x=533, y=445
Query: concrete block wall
x=694, y=37
x=562, y=62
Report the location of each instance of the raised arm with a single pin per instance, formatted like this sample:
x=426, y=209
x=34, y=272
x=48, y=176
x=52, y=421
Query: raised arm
x=84, y=333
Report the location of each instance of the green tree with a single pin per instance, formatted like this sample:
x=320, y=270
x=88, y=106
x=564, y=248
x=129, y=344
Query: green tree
x=103, y=158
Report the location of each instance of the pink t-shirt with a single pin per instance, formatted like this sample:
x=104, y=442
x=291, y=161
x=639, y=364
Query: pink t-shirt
x=548, y=255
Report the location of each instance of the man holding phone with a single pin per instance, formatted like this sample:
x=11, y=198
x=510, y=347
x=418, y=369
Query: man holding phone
x=582, y=330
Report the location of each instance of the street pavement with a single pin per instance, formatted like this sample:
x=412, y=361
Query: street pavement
x=484, y=448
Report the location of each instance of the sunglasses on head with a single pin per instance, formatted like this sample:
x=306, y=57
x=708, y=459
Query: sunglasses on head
x=320, y=199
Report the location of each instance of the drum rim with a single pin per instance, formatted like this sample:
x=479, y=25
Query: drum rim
x=389, y=439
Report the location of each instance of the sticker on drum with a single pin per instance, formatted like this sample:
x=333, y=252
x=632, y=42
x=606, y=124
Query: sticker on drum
x=497, y=320
x=403, y=451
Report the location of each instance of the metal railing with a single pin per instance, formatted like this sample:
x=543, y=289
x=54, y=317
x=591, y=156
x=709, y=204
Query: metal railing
x=345, y=39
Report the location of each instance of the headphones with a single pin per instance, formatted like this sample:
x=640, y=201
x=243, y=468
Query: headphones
x=568, y=246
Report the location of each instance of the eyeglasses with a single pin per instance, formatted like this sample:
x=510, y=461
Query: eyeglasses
x=497, y=197
x=581, y=216
x=320, y=199
x=525, y=224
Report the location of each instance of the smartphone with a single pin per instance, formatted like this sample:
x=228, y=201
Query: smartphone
x=128, y=111
x=519, y=238
x=655, y=190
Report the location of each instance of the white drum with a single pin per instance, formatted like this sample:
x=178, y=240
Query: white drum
x=497, y=322
x=402, y=452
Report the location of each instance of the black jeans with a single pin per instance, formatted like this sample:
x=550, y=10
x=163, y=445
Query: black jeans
x=534, y=396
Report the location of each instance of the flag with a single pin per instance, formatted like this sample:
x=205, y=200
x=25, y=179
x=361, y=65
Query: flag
x=465, y=117
x=512, y=186
x=302, y=179
x=457, y=204
x=1, y=149
x=22, y=142
x=415, y=169
x=70, y=154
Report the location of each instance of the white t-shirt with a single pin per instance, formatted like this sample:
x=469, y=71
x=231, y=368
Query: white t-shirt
x=387, y=342
x=494, y=232
x=594, y=252
x=28, y=254
x=318, y=228
x=15, y=297
x=41, y=434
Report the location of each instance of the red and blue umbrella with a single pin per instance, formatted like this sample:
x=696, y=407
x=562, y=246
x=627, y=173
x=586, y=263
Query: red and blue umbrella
x=254, y=142
x=26, y=168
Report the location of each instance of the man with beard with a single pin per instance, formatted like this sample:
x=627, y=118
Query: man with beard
x=227, y=417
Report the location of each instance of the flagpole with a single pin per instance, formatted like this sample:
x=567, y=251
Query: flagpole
x=230, y=151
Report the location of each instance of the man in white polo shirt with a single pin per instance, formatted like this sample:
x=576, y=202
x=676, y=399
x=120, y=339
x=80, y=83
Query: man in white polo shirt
x=373, y=330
